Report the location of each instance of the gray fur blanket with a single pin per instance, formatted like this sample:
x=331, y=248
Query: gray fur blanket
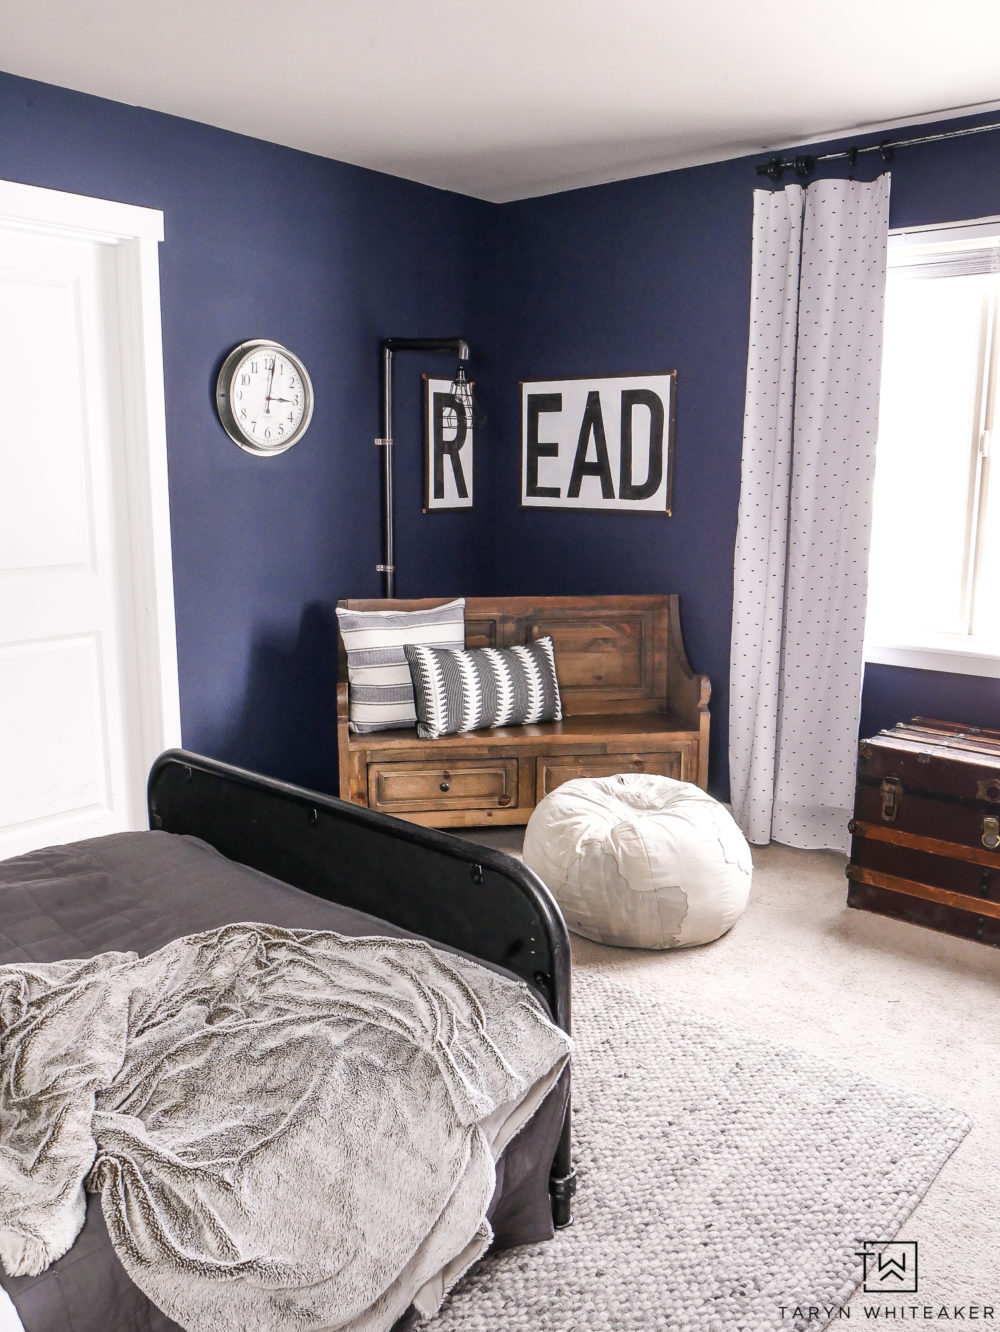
x=287, y=1128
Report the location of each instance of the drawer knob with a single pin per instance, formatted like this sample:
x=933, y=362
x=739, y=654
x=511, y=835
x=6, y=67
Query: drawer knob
x=446, y=786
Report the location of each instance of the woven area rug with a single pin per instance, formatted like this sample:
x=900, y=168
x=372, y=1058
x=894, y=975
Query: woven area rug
x=720, y=1178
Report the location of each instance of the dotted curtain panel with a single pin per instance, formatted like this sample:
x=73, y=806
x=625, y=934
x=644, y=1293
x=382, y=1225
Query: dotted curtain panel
x=800, y=576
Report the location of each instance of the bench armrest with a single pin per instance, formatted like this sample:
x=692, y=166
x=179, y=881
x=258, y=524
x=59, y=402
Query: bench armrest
x=688, y=693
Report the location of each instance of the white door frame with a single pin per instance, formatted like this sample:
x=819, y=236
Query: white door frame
x=134, y=233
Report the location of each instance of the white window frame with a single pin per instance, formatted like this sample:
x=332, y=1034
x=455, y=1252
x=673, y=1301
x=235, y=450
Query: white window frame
x=960, y=654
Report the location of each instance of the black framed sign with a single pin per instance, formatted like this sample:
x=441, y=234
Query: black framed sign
x=604, y=444
x=449, y=448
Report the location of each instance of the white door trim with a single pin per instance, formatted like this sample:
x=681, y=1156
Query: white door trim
x=28, y=206
x=134, y=233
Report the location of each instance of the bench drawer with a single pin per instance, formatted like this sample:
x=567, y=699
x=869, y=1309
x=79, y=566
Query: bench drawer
x=463, y=784
x=553, y=771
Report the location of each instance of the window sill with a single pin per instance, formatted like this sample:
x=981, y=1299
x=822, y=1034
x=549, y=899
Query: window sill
x=962, y=658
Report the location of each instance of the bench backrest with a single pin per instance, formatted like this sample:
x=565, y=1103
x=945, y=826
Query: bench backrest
x=611, y=652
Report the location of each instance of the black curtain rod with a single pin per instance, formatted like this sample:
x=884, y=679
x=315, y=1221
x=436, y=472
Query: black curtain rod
x=805, y=164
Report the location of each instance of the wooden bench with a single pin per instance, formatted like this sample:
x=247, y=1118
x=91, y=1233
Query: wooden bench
x=631, y=703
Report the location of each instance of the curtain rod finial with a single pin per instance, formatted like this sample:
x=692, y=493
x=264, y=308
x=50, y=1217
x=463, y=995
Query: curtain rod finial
x=773, y=169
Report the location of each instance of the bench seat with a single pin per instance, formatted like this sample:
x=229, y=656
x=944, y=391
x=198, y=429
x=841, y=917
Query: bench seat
x=631, y=704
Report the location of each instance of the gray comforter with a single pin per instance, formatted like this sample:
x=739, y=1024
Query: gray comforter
x=288, y=1128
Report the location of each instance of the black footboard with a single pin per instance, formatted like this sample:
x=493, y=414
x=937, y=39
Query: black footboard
x=470, y=897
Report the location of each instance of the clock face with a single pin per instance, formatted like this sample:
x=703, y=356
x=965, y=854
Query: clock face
x=264, y=397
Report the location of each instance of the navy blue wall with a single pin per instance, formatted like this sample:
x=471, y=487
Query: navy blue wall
x=654, y=274
x=647, y=275
x=262, y=241
x=892, y=694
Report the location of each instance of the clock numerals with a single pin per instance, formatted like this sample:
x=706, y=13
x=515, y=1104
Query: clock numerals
x=265, y=398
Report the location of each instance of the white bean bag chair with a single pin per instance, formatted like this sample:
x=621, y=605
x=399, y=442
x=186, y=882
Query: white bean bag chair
x=640, y=861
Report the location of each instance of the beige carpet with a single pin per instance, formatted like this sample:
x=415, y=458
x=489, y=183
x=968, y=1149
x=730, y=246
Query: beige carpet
x=908, y=1006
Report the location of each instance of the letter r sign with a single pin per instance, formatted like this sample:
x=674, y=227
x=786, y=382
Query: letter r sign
x=448, y=448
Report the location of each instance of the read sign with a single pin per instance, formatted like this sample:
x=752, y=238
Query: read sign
x=598, y=443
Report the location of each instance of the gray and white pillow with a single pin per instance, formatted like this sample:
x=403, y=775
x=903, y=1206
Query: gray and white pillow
x=375, y=642
x=467, y=691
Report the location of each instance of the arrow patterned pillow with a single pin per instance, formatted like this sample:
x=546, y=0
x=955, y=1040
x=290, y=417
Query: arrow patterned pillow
x=467, y=691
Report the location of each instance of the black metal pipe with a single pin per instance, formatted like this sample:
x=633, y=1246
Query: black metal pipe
x=458, y=345
x=388, y=566
x=389, y=347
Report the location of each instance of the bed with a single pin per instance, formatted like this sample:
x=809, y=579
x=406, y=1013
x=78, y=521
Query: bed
x=227, y=845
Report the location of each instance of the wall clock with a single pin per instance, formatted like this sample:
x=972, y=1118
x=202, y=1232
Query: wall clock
x=264, y=397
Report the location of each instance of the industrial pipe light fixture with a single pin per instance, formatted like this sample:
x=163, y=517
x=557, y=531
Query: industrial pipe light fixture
x=461, y=389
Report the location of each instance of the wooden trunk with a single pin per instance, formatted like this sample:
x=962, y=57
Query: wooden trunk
x=926, y=828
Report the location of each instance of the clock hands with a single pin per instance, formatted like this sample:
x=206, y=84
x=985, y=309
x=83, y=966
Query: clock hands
x=268, y=400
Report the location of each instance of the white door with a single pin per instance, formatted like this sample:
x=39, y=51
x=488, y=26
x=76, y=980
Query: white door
x=71, y=755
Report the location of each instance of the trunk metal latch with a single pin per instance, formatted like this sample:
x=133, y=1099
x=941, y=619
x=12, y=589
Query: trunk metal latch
x=892, y=790
x=991, y=832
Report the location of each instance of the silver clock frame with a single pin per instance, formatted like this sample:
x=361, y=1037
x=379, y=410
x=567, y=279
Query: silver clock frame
x=224, y=402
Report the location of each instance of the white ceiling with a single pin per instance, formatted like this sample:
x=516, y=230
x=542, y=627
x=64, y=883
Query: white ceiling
x=511, y=98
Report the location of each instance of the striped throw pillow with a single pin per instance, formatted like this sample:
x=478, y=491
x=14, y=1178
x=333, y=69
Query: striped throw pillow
x=375, y=642
x=466, y=691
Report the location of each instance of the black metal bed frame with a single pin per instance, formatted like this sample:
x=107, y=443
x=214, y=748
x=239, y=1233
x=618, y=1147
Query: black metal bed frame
x=430, y=883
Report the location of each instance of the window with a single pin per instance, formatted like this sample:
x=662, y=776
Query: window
x=934, y=577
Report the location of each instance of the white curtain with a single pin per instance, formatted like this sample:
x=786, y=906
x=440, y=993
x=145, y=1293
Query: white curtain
x=800, y=577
